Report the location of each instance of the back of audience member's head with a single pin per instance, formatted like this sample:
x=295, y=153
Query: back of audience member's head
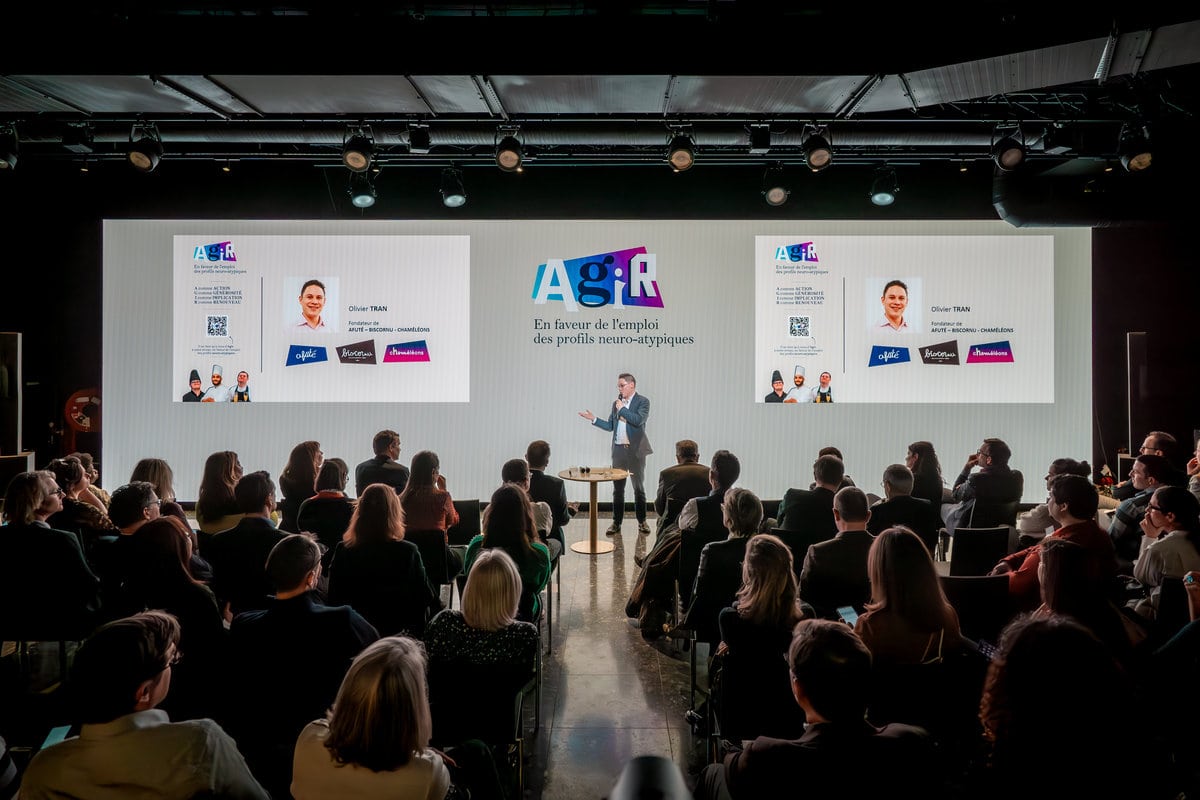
x=128, y=503
x=378, y=516
x=851, y=505
x=383, y=441
x=67, y=472
x=291, y=560
x=899, y=478
x=380, y=719
x=26, y=496
x=725, y=468
x=1155, y=467
x=492, y=592
x=1069, y=466
x=1077, y=493
x=253, y=492
x=833, y=668
x=768, y=593
x=687, y=450
x=159, y=474
x=114, y=663
x=743, y=512
x=925, y=459
x=332, y=476
x=515, y=470
x=299, y=475
x=1165, y=442
x=425, y=465
x=831, y=451
x=222, y=471
x=828, y=470
x=538, y=454
x=904, y=580
x=161, y=552
x=1070, y=578
x=508, y=520
x=998, y=451
x=89, y=464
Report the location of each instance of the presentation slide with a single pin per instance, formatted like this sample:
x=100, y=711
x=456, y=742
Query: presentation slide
x=963, y=319
x=321, y=319
x=472, y=338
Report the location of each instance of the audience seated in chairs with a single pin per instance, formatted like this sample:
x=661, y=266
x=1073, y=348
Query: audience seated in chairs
x=93, y=475
x=286, y=662
x=82, y=512
x=516, y=471
x=1072, y=503
x=811, y=510
x=720, y=574
x=1171, y=543
x=238, y=556
x=383, y=467
x=899, y=507
x=1147, y=474
x=508, y=524
x=1035, y=523
x=158, y=473
x=327, y=513
x=298, y=482
x=548, y=489
x=835, y=572
x=976, y=494
x=752, y=695
x=47, y=588
x=127, y=747
x=928, y=483
x=216, y=504
x=130, y=507
x=377, y=572
x=840, y=754
x=427, y=504
x=678, y=483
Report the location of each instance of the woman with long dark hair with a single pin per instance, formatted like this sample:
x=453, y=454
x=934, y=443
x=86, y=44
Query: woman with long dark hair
x=298, y=482
x=927, y=472
x=216, y=508
x=508, y=524
x=427, y=504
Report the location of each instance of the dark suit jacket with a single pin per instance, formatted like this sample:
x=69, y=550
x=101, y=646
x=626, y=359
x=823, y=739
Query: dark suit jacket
x=809, y=510
x=679, y=483
x=635, y=416
x=717, y=584
x=327, y=517
x=835, y=573
x=239, y=562
x=46, y=585
x=912, y=512
x=551, y=490
x=380, y=469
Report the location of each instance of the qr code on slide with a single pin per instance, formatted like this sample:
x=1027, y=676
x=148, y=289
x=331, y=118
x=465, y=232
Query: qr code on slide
x=218, y=325
x=797, y=326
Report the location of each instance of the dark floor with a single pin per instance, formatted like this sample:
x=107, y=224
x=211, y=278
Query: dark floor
x=607, y=694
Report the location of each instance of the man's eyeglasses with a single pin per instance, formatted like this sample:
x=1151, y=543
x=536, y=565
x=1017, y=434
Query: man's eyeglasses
x=1153, y=507
x=57, y=492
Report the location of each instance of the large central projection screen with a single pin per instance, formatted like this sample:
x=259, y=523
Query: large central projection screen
x=474, y=338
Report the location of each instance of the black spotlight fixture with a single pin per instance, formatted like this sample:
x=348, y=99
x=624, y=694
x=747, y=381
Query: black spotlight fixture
x=510, y=156
x=681, y=153
x=454, y=195
x=419, y=142
x=817, y=151
x=775, y=188
x=145, y=148
x=1008, y=151
x=358, y=151
x=362, y=190
x=8, y=147
x=1134, y=148
x=885, y=186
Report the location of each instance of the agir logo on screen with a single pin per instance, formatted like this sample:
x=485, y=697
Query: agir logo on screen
x=618, y=279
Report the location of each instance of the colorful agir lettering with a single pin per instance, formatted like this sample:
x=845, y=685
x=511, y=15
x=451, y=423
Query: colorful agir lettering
x=220, y=251
x=804, y=251
x=618, y=279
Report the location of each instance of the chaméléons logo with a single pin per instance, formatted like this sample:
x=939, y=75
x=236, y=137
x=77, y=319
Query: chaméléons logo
x=218, y=251
x=406, y=352
x=885, y=355
x=990, y=353
x=940, y=353
x=619, y=279
x=803, y=252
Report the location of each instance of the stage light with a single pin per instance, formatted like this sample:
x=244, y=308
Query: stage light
x=681, y=154
x=145, y=151
x=454, y=195
x=817, y=151
x=357, y=152
x=1134, y=148
x=884, y=187
x=419, y=142
x=1008, y=153
x=509, y=154
x=775, y=189
x=362, y=190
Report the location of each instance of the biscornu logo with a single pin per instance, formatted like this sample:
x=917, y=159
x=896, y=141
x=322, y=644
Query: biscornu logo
x=802, y=252
x=618, y=279
x=882, y=356
x=220, y=251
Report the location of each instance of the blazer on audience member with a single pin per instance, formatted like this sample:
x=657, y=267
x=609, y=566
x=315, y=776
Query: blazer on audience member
x=835, y=573
x=239, y=561
x=913, y=512
x=808, y=510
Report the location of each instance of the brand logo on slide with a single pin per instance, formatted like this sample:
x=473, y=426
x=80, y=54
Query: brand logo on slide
x=882, y=356
x=941, y=353
x=406, y=352
x=619, y=279
x=989, y=353
x=305, y=354
x=358, y=353
x=221, y=251
x=804, y=251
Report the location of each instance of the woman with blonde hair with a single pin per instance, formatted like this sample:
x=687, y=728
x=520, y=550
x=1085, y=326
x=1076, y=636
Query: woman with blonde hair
x=909, y=620
x=378, y=573
x=375, y=740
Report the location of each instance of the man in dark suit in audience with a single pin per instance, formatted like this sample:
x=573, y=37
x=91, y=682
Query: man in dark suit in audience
x=811, y=510
x=835, y=572
x=899, y=507
x=840, y=754
x=994, y=484
x=383, y=468
x=287, y=661
x=719, y=575
x=677, y=484
x=548, y=489
x=239, y=555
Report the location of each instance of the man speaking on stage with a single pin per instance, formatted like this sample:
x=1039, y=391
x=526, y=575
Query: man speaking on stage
x=627, y=421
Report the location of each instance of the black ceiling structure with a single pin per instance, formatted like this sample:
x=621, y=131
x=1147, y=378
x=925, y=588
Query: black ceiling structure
x=436, y=85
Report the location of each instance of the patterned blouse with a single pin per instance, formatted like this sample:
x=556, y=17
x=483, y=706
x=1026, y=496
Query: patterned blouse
x=448, y=637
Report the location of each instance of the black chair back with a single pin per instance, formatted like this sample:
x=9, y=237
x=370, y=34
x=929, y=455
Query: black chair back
x=982, y=603
x=468, y=526
x=975, y=551
x=690, y=545
x=1172, y=611
x=434, y=554
x=986, y=514
x=799, y=542
x=462, y=710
